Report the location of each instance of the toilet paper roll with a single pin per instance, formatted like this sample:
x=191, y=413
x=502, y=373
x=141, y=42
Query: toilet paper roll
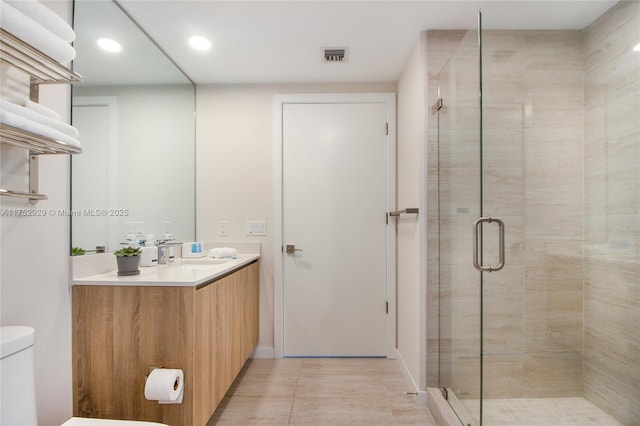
x=165, y=385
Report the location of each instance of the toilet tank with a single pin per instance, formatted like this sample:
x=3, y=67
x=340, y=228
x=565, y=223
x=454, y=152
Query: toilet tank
x=18, y=392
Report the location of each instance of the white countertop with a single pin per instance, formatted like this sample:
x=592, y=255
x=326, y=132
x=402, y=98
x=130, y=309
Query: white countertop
x=181, y=273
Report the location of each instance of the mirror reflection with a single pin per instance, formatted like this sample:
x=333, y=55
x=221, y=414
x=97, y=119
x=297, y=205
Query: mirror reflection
x=135, y=113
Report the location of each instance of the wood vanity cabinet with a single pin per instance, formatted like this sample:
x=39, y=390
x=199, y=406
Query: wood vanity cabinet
x=121, y=332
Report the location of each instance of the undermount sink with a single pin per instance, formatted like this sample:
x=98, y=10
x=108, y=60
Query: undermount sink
x=202, y=263
x=205, y=260
x=197, y=266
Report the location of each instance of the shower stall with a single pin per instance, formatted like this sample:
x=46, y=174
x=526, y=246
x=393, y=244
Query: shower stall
x=538, y=195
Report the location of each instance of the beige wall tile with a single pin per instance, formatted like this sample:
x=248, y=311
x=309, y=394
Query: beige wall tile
x=554, y=82
x=612, y=396
x=503, y=376
x=615, y=362
x=459, y=291
x=503, y=39
x=502, y=191
x=502, y=334
x=504, y=291
x=553, y=290
x=551, y=333
x=463, y=377
x=503, y=148
x=553, y=50
x=548, y=375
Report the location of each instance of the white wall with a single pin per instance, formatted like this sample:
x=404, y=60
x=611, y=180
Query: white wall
x=234, y=169
x=34, y=258
x=410, y=228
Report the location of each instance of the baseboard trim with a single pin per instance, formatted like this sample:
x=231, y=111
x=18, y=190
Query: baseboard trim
x=405, y=372
x=263, y=352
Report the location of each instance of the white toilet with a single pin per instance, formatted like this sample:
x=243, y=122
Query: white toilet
x=18, y=393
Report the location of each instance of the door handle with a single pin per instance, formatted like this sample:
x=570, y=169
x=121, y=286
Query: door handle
x=476, y=226
x=291, y=248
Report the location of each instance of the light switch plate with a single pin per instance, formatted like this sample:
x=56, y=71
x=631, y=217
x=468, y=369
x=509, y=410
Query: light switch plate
x=223, y=228
x=257, y=227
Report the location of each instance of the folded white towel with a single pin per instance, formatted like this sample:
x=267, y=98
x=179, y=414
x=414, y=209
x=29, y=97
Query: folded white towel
x=45, y=17
x=23, y=123
x=222, y=252
x=39, y=118
x=29, y=31
x=41, y=109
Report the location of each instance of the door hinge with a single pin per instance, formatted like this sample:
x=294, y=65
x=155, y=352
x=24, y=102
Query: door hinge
x=386, y=129
x=437, y=106
x=386, y=307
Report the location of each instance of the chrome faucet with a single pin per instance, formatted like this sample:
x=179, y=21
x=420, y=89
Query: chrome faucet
x=166, y=251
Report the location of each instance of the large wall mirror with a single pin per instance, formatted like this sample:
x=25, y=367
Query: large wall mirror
x=135, y=111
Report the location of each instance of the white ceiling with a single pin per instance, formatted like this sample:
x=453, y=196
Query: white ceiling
x=139, y=62
x=281, y=41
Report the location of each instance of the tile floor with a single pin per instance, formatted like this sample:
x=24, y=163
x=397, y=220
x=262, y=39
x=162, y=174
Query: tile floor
x=315, y=391
x=542, y=412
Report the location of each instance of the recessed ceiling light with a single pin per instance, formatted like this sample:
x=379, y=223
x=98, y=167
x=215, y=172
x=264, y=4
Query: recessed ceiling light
x=199, y=42
x=636, y=48
x=109, y=45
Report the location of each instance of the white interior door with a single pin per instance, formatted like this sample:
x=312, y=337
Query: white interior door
x=334, y=199
x=90, y=176
x=94, y=173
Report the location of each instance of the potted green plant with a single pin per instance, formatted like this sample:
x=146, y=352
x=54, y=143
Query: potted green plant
x=128, y=259
x=77, y=251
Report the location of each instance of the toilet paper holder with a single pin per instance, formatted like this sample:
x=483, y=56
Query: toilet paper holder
x=153, y=367
x=165, y=390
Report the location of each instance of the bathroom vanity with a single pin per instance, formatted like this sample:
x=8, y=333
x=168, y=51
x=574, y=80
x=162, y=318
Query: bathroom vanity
x=200, y=317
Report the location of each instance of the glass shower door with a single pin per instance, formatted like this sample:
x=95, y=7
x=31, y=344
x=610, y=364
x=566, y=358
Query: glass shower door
x=537, y=129
x=460, y=194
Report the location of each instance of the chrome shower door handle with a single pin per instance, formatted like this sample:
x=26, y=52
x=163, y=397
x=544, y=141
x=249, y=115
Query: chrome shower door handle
x=476, y=226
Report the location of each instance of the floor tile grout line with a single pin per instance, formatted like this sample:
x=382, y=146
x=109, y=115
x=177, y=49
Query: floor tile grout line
x=293, y=400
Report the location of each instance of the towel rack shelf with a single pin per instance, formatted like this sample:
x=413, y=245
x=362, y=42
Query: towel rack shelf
x=36, y=144
x=41, y=69
x=29, y=195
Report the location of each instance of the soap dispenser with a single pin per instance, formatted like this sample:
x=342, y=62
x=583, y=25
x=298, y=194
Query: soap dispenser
x=168, y=237
x=149, y=256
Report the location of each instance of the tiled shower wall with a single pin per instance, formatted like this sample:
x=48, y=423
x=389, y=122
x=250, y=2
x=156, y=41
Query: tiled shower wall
x=561, y=168
x=533, y=144
x=612, y=202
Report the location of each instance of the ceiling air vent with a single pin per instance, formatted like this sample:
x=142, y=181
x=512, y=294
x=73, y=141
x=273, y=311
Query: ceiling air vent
x=335, y=54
